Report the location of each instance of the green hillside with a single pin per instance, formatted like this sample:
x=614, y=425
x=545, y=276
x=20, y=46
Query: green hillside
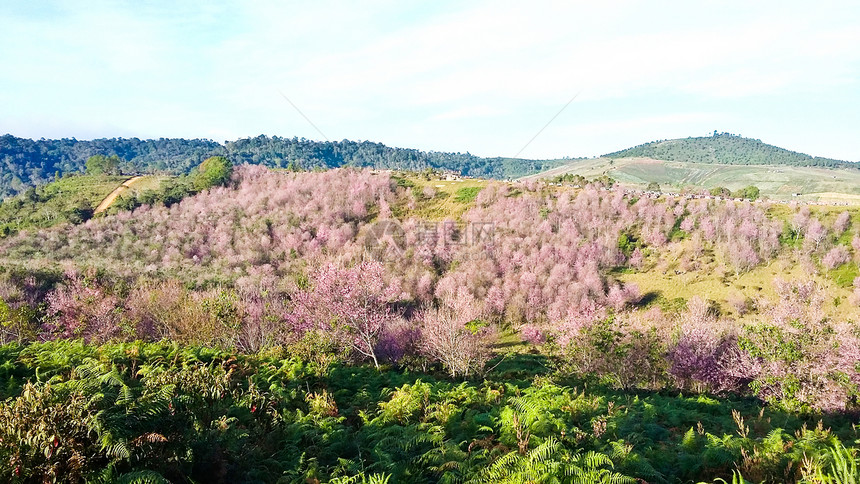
x=72, y=198
x=725, y=149
x=778, y=182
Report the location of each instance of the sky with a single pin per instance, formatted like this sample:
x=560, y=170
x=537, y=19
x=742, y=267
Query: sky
x=494, y=78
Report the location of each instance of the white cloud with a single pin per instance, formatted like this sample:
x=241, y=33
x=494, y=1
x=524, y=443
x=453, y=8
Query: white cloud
x=425, y=74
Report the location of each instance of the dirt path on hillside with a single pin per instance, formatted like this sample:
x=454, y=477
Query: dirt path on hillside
x=116, y=193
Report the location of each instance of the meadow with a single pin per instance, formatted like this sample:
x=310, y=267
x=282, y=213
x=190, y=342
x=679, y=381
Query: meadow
x=370, y=326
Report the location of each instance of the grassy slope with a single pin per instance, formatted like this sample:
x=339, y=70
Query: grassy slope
x=776, y=182
x=53, y=202
x=451, y=199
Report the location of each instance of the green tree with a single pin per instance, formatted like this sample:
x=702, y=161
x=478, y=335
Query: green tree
x=103, y=165
x=721, y=192
x=653, y=187
x=214, y=171
x=751, y=192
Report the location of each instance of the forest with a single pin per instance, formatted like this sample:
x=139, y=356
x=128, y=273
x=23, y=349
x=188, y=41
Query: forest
x=355, y=326
x=25, y=163
x=726, y=149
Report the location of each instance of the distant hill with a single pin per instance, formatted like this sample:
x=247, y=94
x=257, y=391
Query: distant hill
x=723, y=160
x=25, y=163
x=725, y=149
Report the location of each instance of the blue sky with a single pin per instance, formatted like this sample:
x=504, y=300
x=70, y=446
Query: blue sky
x=482, y=77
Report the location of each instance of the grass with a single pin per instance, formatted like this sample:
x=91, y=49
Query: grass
x=449, y=201
x=466, y=194
x=775, y=182
x=844, y=275
x=712, y=281
x=67, y=199
x=151, y=182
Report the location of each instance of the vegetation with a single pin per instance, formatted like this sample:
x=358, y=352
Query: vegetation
x=776, y=182
x=25, y=163
x=162, y=412
x=68, y=199
x=213, y=172
x=727, y=149
x=750, y=192
x=356, y=326
x=103, y=165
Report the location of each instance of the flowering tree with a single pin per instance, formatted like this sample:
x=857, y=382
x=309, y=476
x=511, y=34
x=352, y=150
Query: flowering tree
x=698, y=357
x=81, y=307
x=455, y=336
x=835, y=257
x=840, y=225
x=354, y=304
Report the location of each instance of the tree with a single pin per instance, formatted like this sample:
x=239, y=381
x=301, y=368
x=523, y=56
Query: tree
x=103, y=165
x=750, y=192
x=214, y=171
x=721, y=192
x=653, y=187
x=455, y=336
x=352, y=303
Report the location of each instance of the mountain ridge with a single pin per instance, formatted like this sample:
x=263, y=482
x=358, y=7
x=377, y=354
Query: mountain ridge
x=25, y=162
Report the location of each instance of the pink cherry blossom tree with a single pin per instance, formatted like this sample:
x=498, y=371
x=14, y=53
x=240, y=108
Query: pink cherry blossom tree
x=354, y=304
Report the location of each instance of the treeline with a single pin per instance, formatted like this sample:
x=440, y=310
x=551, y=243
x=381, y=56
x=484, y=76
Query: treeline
x=726, y=149
x=750, y=192
x=25, y=163
x=580, y=180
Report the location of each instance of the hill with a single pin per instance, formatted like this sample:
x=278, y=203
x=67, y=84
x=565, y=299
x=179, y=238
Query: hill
x=777, y=182
x=72, y=198
x=725, y=149
x=723, y=160
x=298, y=322
x=25, y=163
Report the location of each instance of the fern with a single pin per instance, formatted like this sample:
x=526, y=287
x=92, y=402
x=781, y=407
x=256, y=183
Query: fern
x=549, y=462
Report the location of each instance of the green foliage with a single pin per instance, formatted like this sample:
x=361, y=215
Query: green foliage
x=842, y=467
x=214, y=171
x=159, y=412
x=627, y=243
x=569, y=178
x=33, y=163
x=103, y=165
x=720, y=192
x=551, y=463
x=750, y=192
x=68, y=199
x=169, y=192
x=845, y=274
x=727, y=149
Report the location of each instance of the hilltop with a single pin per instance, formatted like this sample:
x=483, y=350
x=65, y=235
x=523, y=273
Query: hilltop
x=725, y=149
x=723, y=160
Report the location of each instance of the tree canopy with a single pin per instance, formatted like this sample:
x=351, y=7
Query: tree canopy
x=214, y=171
x=25, y=163
x=725, y=149
x=103, y=165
